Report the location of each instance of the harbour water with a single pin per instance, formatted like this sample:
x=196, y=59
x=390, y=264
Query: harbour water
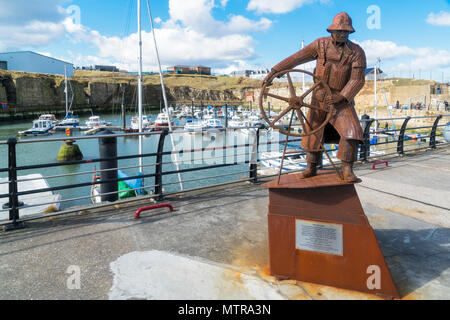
x=46, y=152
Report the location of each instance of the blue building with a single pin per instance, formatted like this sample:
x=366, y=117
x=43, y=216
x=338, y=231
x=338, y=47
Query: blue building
x=28, y=61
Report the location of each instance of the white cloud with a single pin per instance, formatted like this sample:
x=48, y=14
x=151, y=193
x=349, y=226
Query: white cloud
x=197, y=15
x=25, y=23
x=176, y=46
x=278, y=6
x=35, y=33
x=20, y=12
x=191, y=36
x=439, y=19
x=240, y=24
x=412, y=59
x=430, y=58
x=386, y=50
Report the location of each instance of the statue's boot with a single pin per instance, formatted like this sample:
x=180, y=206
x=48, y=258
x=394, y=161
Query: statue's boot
x=311, y=170
x=347, y=171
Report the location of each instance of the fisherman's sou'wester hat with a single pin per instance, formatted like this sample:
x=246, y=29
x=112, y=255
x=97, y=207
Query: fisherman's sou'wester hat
x=341, y=22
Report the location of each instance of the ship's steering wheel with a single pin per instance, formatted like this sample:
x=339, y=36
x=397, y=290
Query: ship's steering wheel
x=296, y=104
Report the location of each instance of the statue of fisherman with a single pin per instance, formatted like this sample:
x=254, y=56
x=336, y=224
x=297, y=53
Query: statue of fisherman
x=341, y=64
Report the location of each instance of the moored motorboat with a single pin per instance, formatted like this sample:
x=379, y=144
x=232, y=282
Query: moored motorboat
x=95, y=121
x=193, y=126
x=134, y=124
x=236, y=122
x=213, y=125
x=40, y=128
x=162, y=121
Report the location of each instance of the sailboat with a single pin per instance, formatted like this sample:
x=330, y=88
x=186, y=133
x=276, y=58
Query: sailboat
x=70, y=119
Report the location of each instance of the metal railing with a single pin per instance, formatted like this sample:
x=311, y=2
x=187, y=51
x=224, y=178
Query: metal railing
x=396, y=144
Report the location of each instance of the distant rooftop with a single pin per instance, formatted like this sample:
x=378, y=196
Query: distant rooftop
x=371, y=71
x=15, y=52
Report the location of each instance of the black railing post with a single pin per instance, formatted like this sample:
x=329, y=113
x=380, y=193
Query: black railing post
x=254, y=159
x=226, y=115
x=13, y=204
x=159, y=165
x=365, y=146
x=107, y=149
x=401, y=138
x=433, y=132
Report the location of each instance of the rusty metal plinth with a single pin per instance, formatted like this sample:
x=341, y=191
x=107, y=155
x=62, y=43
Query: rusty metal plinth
x=318, y=233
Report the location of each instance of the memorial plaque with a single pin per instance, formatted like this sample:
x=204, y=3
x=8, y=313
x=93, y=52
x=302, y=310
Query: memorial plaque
x=319, y=237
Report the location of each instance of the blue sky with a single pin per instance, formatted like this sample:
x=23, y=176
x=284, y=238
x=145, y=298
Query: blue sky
x=410, y=38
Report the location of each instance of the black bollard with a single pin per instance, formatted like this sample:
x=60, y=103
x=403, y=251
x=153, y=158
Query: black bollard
x=107, y=148
x=365, y=146
x=226, y=115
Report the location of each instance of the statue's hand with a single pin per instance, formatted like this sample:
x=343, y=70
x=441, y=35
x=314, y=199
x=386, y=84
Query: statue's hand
x=334, y=99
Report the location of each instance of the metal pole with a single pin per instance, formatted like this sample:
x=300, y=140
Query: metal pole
x=164, y=95
x=303, y=87
x=254, y=159
x=124, y=122
x=158, y=168
x=66, y=91
x=140, y=86
x=375, y=96
x=226, y=115
x=401, y=137
x=433, y=132
x=14, y=203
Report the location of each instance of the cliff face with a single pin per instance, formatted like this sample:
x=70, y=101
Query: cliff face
x=36, y=90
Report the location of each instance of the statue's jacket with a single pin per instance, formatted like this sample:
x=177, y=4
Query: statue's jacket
x=343, y=69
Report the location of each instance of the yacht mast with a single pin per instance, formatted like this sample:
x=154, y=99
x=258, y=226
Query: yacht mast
x=140, y=86
x=303, y=88
x=375, y=96
x=66, y=91
x=164, y=96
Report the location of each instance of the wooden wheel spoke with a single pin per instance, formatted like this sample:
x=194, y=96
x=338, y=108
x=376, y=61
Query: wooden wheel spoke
x=281, y=115
x=303, y=96
x=302, y=118
x=276, y=96
x=307, y=122
x=291, y=86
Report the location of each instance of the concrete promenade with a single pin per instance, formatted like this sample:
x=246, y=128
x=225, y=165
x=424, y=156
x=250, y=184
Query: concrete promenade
x=214, y=245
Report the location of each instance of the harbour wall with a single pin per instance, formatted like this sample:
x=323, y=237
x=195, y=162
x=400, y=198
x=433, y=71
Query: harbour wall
x=28, y=94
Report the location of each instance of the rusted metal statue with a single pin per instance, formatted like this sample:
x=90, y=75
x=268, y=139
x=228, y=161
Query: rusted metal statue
x=338, y=77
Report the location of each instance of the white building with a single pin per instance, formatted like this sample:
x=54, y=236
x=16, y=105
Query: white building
x=29, y=61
